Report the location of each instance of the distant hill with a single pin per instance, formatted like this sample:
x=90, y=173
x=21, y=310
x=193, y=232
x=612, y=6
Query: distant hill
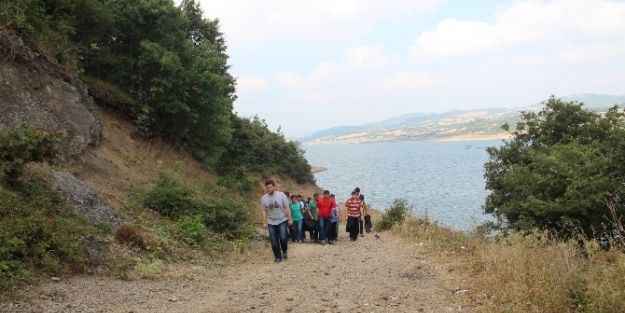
x=451, y=125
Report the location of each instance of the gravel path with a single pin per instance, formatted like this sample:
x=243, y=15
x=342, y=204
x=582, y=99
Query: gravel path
x=385, y=274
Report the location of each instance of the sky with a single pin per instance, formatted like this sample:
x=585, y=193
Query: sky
x=305, y=66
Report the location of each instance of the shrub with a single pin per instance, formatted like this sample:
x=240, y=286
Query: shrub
x=220, y=215
x=192, y=230
x=38, y=232
x=131, y=235
x=24, y=145
x=171, y=198
x=394, y=215
x=149, y=269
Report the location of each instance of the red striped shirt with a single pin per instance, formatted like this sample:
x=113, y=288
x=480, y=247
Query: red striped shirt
x=353, y=207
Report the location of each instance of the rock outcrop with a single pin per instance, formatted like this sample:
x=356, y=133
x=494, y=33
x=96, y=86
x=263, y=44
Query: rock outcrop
x=84, y=200
x=35, y=89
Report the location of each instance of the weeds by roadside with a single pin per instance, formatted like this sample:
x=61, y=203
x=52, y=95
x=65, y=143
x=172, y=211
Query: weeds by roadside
x=523, y=272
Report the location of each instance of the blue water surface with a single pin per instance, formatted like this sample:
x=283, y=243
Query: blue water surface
x=443, y=179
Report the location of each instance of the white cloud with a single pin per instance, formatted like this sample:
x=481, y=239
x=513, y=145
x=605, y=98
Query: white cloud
x=245, y=21
x=525, y=22
x=251, y=84
x=290, y=80
x=409, y=80
x=365, y=58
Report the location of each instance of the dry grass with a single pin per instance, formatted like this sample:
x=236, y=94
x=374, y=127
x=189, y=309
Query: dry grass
x=122, y=170
x=523, y=273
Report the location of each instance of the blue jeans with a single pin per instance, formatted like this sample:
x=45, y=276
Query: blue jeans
x=298, y=229
x=279, y=237
x=323, y=225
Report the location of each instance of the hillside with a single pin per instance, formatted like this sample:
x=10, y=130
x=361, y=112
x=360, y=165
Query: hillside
x=452, y=125
x=105, y=172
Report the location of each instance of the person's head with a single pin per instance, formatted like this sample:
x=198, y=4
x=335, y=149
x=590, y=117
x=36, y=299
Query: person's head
x=300, y=197
x=354, y=195
x=309, y=199
x=326, y=194
x=293, y=198
x=357, y=189
x=287, y=194
x=332, y=196
x=270, y=186
x=361, y=197
x=316, y=195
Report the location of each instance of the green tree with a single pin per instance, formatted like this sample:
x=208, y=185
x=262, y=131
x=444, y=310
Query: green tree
x=559, y=170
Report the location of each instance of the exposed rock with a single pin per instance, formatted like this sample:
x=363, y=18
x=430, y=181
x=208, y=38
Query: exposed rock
x=37, y=90
x=84, y=199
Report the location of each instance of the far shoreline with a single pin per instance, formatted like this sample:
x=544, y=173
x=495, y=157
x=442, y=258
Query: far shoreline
x=443, y=139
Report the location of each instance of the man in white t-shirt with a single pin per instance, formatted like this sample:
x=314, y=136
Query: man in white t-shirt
x=276, y=216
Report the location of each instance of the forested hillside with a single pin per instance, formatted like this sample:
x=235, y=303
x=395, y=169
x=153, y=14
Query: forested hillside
x=166, y=67
x=161, y=170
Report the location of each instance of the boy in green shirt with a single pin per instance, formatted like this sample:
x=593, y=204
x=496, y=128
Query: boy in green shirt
x=297, y=216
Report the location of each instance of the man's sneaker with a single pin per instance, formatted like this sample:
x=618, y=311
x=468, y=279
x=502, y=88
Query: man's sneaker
x=277, y=260
x=285, y=255
x=323, y=242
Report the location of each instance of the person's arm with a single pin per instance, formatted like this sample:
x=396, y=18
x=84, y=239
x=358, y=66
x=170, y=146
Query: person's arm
x=288, y=213
x=264, y=218
x=362, y=210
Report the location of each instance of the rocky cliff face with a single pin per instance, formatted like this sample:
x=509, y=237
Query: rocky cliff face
x=38, y=91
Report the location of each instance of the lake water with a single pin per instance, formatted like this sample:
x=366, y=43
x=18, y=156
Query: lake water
x=444, y=179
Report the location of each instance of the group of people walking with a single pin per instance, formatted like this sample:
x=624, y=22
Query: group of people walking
x=288, y=216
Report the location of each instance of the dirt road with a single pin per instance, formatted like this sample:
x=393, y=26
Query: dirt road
x=385, y=274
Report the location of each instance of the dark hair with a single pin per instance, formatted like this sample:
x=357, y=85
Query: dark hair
x=354, y=192
x=332, y=196
x=326, y=192
x=357, y=189
x=362, y=197
x=292, y=197
x=309, y=198
x=316, y=194
x=288, y=194
x=269, y=182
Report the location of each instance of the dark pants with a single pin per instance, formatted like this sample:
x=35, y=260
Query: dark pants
x=353, y=227
x=333, y=231
x=360, y=226
x=368, y=224
x=279, y=237
x=291, y=233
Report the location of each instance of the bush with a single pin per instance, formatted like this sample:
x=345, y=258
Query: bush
x=131, y=235
x=171, y=198
x=192, y=230
x=394, y=215
x=221, y=215
x=39, y=232
x=24, y=145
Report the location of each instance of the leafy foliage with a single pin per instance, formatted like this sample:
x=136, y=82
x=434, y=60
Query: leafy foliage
x=173, y=199
x=164, y=65
x=394, y=215
x=254, y=147
x=24, y=145
x=39, y=231
x=559, y=171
